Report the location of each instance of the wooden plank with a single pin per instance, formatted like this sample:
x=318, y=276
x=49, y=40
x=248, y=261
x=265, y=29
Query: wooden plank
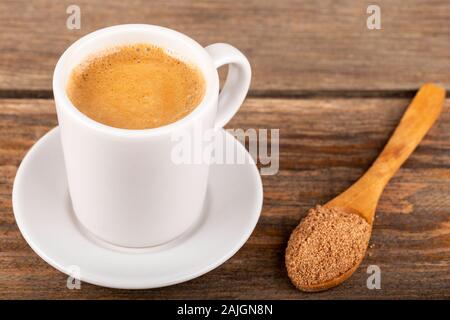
x=325, y=145
x=293, y=46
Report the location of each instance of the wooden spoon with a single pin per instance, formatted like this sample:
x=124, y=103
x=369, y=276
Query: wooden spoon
x=362, y=197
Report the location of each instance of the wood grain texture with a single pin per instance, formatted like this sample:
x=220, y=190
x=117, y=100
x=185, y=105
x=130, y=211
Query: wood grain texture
x=325, y=145
x=293, y=46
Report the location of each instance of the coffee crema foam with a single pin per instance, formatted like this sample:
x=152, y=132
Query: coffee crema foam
x=138, y=86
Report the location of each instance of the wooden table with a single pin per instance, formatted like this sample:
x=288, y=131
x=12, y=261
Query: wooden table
x=334, y=88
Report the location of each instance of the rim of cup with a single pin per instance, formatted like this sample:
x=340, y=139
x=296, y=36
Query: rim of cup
x=206, y=66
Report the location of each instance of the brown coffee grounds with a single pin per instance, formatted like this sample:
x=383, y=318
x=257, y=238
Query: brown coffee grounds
x=327, y=243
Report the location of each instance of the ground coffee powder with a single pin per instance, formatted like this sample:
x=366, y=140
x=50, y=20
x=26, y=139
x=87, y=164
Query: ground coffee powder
x=327, y=243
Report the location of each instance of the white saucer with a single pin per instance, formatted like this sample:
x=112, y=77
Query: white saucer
x=43, y=213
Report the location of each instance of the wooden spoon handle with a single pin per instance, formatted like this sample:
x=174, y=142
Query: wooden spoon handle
x=415, y=123
x=419, y=117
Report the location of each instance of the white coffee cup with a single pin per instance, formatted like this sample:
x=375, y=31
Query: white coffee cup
x=124, y=187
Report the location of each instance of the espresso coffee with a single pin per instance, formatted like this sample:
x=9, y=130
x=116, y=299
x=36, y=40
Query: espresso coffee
x=137, y=86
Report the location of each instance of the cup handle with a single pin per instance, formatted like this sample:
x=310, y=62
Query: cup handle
x=237, y=83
